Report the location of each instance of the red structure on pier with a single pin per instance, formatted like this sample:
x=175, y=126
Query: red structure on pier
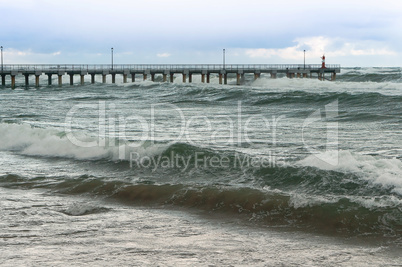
x=323, y=62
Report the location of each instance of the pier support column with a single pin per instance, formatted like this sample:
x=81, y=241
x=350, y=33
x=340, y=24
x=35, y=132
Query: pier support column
x=333, y=76
x=208, y=78
x=49, y=79
x=113, y=77
x=132, y=77
x=145, y=76
x=290, y=75
x=304, y=75
x=103, y=78
x=256, y=76
x=273, y=75
x=82, y=79
x=37, y=80
x=190, y=78
x=26, y=80
x=92, y=77
x=225, y=78
x=165, y=76
x=239, y=79
x=171, y=77
x=298, y=75
x=203, y=78
x=124, y=78
x=12, y=81
x=153, y=77
x=220, y=78
x=60, y=78
x=71, y=79
x=184, y=77
x=3, y=79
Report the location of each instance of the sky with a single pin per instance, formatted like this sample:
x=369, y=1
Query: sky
x=353, y=33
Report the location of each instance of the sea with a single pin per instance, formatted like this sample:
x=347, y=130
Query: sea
x=274, y=172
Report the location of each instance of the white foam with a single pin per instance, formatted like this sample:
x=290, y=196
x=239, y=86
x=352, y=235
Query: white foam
x=382, y=171
x=32, y=141
x=315, y=86
x=378, y=202
x=298, y=200
x=372, y=70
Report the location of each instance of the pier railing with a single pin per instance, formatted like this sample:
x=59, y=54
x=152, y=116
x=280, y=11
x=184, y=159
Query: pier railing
x=167, y=67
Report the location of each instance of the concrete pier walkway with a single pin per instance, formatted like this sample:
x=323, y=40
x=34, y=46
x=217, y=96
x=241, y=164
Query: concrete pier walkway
x=167, y=71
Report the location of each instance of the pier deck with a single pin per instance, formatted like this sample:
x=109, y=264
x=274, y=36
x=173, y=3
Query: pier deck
x=167, y=70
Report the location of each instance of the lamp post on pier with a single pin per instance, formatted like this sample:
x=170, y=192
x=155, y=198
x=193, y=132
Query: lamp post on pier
x=112, y=58
x=304, y=59
x=1, y=59
x=224, y=58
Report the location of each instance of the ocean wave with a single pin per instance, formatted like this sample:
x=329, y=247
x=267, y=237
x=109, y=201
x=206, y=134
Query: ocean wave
x=52, y=142
x=368, y=99
x=369, y=117
x=92, y=98
x=285, y=91
x=341, y=214
x=378, y=75
x=33, y=141
x=341, y=85
x=311, y=172
x=378, y=171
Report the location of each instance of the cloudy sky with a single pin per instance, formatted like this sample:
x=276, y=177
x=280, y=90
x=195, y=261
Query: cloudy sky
x=349, y=32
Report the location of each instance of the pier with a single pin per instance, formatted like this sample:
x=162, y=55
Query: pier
x=167, y=71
